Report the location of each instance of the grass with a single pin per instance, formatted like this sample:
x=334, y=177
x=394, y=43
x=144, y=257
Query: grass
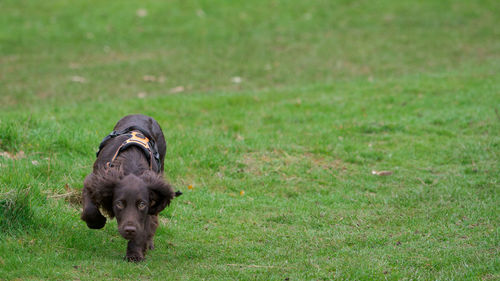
x=330, y=91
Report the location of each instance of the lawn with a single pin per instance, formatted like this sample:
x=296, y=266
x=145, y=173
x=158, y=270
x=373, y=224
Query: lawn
x=279, y=114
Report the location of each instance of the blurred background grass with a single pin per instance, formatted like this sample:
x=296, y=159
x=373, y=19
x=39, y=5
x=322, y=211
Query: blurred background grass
x=200, y=46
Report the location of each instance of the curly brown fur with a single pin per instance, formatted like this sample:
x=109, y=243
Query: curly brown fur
x=161, y=193
x=100, y=188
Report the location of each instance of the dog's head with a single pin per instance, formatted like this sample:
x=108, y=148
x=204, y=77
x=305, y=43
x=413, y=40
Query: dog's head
x=130, y=198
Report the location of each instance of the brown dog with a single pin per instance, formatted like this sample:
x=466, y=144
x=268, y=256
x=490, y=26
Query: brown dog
x=127, y=183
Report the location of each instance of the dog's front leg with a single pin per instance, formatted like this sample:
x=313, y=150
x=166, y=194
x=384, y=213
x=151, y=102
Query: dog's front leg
x=91, y=214
x=152, y=225
x=136, y=249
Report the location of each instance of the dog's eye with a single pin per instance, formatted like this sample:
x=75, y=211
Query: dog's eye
x=141, y=205
x=119, y=204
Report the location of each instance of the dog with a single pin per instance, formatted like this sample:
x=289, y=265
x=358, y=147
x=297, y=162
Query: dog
x=127, y=183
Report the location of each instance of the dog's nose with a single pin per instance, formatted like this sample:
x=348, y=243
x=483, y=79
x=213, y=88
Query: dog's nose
x=130, y=230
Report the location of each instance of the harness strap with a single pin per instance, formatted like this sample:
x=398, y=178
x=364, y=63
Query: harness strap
x=126, y=131
x=136, y=137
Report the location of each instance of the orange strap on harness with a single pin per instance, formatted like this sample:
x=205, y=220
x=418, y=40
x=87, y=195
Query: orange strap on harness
x=138, y=139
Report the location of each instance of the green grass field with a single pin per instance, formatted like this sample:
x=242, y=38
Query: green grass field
x=276, y=112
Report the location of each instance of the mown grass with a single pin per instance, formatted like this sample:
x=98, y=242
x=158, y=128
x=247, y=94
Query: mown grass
x=329, y=92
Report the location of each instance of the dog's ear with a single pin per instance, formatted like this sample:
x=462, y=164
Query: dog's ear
x=101, y=187
x=160, y=192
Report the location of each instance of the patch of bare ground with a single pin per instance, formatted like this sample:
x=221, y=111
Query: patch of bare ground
x=262, y=163
x=71, y=195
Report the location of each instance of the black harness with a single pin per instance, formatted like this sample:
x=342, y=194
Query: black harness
x=138, y=137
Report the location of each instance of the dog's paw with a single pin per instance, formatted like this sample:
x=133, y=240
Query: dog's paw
x=151, y=245
x=134, y=257
x=97, y=224
x=93, y=219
